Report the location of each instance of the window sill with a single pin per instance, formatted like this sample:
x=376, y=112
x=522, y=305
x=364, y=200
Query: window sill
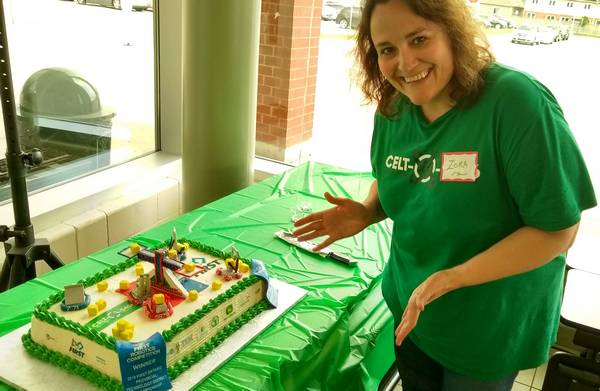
x=50, y=207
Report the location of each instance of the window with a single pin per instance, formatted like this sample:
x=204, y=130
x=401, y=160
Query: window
x=83, y=80
x=342, y=123
x=339, y=130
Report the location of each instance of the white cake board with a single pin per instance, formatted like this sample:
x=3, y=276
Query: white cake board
x=22, y=371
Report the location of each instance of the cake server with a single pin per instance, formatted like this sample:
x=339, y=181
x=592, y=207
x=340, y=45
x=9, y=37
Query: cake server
x=308, y=246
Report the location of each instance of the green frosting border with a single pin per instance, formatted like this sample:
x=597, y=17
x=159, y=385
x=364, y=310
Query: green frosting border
x=70, y=365
x=108, y=383
x=41, y=312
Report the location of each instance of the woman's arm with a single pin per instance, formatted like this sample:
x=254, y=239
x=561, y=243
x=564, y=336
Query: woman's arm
x=525, y=249
x=373, y=205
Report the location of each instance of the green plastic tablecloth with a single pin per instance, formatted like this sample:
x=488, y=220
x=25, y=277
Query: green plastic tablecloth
x=338, y=337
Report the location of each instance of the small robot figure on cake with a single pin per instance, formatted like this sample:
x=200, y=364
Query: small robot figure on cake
x=142, y=288
x=234, y=267
x=75, y=298
x=177, y=251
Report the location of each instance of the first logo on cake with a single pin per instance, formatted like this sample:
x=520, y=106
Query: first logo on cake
x=77, y=348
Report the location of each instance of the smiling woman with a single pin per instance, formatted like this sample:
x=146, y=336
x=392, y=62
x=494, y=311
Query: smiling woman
x=85, y=112
x=476, y=166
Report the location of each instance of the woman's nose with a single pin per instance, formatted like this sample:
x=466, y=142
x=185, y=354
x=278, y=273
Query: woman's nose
x=407, y=60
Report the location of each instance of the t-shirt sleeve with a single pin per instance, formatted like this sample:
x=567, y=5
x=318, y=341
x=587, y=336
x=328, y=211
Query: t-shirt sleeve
x=375, y=142
x=546, y=173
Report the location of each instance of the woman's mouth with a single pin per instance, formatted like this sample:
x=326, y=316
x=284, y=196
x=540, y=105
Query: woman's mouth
x=417, y=77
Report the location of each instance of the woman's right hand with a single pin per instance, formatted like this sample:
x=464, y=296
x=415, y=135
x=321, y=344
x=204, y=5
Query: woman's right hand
x=345, y=219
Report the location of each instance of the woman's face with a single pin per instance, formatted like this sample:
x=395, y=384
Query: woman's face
x=414, y=55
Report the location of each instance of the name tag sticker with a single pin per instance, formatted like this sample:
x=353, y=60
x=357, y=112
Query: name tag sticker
x=459, y=167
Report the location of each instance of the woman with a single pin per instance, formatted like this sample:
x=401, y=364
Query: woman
x=476, y=165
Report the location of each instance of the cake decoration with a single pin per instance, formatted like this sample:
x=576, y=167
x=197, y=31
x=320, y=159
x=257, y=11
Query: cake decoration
x=165, y=295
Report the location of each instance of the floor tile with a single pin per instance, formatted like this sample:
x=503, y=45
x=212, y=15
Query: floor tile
x=540, y=372
x=538, y=378
x=519, y=387
x=526, y=376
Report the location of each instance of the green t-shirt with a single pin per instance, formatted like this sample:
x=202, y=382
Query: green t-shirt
x=456, y=186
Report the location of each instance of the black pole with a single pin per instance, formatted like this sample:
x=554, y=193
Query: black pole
x=14, y=160
x=21, y=247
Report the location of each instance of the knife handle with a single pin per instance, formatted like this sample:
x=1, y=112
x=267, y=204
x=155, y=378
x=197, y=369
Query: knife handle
x=340, y=258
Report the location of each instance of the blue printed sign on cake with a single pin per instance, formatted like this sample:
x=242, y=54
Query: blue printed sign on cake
x=144, y=364
x=258, y=269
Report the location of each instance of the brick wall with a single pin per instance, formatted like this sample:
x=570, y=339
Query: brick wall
x=289, y=47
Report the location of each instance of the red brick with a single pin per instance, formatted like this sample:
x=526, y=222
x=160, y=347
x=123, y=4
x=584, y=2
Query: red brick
x=279, y=111
x=263, y=109
x=280, y=93
x=277, y=131
x=270, y=120
x=266, y=138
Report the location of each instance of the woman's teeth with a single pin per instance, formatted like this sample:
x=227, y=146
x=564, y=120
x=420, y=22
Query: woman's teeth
x=411, y=79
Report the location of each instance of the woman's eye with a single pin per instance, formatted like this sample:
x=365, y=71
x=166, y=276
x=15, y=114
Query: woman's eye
x=385, y=51
x=418, y=40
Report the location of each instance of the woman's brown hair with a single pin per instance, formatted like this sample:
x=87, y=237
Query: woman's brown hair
x=469, y=47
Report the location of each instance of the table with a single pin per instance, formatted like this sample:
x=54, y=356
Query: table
x=339, y=335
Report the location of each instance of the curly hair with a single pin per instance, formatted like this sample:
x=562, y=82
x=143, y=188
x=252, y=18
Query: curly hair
x=470, y=49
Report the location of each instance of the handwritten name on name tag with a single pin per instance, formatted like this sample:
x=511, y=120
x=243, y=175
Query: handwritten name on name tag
x=459, y=167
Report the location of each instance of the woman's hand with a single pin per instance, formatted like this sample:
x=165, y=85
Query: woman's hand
x=434, y=286
x=345, y=219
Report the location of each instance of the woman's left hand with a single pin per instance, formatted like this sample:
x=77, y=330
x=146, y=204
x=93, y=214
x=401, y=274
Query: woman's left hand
x=433, y=287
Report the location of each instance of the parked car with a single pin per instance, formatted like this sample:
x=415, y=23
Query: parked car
x=546, y=35
x=485, y=23
x=330, y=11
x=138, y=5
x=349, y=17
x=526, y=34
x=499, y=22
